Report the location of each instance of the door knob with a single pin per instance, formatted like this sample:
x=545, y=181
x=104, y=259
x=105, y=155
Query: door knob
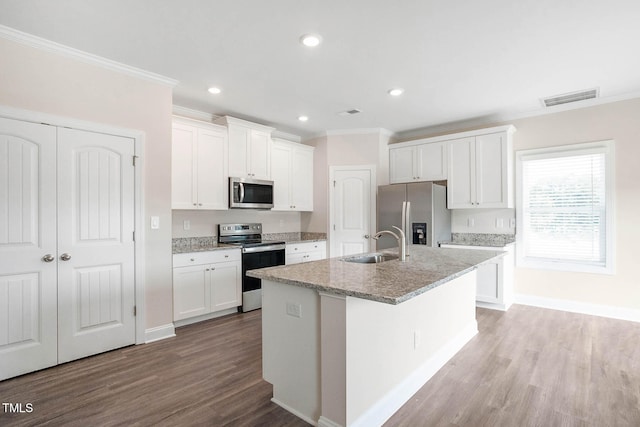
x=65, y=257
x=366, y=236
x=48, y=258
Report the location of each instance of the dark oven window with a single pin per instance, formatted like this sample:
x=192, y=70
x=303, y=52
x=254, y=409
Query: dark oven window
x=258, y=193
x=255, y=260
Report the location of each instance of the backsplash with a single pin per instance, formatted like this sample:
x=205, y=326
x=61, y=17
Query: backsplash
x=482, y=239
x=294, y=236
x=185, y=244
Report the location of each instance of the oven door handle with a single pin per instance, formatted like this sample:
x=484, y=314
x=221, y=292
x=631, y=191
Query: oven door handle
x=276, y=247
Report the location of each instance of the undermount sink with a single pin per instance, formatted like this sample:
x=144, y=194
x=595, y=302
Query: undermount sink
x=370, y=258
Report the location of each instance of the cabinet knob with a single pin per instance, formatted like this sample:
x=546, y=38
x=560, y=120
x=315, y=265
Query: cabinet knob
x=48, y=258
x=192, y=259
x=199, y=204
x=226, y=256
x=195, y=204
x=65, y=257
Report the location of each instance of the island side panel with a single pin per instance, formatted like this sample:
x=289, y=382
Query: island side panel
x=392, y=350
x=333, y=360
x=291, y=347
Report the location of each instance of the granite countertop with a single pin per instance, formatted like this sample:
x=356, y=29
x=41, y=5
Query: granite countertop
x=391, y=282
x=480, y=239
x=295, y=237
x=181, y=245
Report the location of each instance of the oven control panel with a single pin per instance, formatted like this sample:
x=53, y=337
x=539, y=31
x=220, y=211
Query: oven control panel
x=239, y=229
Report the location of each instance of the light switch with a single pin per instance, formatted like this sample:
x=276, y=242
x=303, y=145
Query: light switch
x=155, y=222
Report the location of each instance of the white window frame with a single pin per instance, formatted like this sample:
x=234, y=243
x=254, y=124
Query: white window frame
x=608, y=149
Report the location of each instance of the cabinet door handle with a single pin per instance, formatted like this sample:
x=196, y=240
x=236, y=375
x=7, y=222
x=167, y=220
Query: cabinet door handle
x=65, y=257
x=48, y=258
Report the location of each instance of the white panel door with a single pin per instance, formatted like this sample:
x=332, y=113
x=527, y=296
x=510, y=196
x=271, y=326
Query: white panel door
x=226, y=286
x=183, y=167
x=401, y=165
x=28, y=292
x=260, y=155
x=302, y=179
x=461, y=190
x=351, y=212
x=491, y=170
x=212, y=170
x=96, y=289
x=281, y=176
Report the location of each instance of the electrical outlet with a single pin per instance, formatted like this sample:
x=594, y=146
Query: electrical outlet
x=155, y=222
x=186, y=224
x=512, y=223
x=294, y=309
x=499, y=223
x=471, y=222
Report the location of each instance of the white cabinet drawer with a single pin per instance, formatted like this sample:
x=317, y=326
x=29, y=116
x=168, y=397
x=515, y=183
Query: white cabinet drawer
x=208, y=257
x=293, y=248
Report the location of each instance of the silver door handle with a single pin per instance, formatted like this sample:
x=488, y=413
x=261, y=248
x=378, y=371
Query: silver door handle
x=366, y=236
x=48, y=258
x=65, y=257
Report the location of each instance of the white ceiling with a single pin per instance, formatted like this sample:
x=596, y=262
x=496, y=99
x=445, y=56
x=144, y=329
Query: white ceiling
x=458, y=61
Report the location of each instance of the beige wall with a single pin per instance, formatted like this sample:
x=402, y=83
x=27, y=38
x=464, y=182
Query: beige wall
x=33, y=79
x=205, y=223
x=349, y=149
x=619, y=121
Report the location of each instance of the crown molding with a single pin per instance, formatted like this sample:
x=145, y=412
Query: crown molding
x=361, y=131
x=88, y=58
x=506, y=117
x=193, y=114
x=285, y=135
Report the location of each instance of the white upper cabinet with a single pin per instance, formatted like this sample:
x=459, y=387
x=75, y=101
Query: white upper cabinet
x=292, y=174
x=249, y=148
x=481, y=170
x=198, y=165
x=417, y=161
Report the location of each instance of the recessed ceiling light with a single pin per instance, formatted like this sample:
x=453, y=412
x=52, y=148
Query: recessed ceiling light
x=303, y=118
x=215, y=90
x=395, y=91
x=310, y=40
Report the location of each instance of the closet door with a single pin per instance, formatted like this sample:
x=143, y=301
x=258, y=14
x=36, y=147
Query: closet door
x=96, y=288
x=28, y=282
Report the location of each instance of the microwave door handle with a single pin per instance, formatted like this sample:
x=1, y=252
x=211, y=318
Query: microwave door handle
x=241, y=192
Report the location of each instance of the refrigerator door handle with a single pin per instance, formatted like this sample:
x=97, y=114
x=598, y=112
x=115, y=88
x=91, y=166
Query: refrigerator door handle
x=406, y=225
x=403, y=220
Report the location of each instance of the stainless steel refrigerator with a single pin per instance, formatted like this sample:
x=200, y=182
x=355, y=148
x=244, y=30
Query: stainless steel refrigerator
x=420, y=209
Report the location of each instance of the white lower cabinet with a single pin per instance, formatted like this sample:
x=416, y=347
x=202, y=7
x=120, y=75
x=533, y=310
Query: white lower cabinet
x=206, y=282
x=296, y=253
x=494, y=286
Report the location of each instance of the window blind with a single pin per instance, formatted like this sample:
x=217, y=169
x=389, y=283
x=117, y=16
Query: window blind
x=564, y=208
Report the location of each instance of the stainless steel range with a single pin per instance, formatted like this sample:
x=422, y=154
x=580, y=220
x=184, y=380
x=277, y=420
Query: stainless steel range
x=256, y=253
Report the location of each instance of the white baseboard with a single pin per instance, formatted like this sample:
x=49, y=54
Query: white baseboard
x=493, y=305
x=382, y=410
x=159, y=333
x=196, y=319
x=579, y=307
x=294, y=412
x=326, y=422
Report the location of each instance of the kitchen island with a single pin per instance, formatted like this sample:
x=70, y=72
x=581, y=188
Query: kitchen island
x=347, y=344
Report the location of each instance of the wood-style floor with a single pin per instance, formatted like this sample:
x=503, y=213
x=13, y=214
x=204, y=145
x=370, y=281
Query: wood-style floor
x=526, y=367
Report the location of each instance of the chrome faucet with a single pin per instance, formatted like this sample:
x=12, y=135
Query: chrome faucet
x=402, y=241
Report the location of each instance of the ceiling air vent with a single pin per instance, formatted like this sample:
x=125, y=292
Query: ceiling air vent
x=349, y=112
x=570, y=97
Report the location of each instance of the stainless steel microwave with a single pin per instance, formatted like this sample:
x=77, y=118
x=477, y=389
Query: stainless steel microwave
x=246, y=193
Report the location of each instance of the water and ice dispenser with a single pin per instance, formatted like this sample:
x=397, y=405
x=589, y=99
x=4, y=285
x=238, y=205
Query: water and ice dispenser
x=419, y=233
